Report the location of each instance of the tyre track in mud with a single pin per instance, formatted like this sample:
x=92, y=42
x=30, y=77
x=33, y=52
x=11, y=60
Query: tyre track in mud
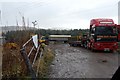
x=76, y=62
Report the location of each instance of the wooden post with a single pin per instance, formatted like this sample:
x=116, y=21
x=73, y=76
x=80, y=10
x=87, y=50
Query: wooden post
x=28, y=64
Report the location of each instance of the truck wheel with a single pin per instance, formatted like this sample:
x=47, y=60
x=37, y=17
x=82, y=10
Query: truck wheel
x=79, y=45
x=93, y=50
x=70, y=44
x=85, y=46
x=88, y=48
x=112, y=51
x=75, y=45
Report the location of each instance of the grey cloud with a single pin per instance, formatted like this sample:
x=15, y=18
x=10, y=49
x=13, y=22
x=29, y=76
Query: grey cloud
x=57, y=13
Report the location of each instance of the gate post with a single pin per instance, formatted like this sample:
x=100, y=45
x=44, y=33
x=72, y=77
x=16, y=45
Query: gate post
x=28, y=64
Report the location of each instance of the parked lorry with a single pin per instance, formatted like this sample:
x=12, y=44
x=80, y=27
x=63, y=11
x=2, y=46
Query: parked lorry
x=83, y=40
x=118, y=29
x=102, y=35
x=80, y=40
x=75, y=41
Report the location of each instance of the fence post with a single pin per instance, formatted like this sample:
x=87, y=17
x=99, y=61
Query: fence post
x=28, y=64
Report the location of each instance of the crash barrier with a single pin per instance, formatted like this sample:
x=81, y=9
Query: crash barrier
x=26, y=56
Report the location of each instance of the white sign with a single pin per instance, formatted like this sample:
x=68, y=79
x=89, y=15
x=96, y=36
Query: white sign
x=35, y=40
x=106, y=22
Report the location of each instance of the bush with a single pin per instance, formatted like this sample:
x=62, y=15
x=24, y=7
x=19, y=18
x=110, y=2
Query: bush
x=18, y=37
x=13, y=65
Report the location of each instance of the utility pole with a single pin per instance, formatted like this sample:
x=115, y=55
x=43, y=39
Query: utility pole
x=17, y=25
x=28, y=22
x=7, y=23
x=23, y=21
x=1, y=25
x=34, y=23
x=0, y=17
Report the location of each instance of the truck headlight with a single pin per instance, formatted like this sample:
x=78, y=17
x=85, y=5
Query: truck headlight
x=115, y=44
x=98, y=39
x=98, y=44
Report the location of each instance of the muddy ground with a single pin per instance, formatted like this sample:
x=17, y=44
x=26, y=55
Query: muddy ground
x=76, y=62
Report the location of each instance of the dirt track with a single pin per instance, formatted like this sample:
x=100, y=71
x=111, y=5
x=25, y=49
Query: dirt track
x=76, y=62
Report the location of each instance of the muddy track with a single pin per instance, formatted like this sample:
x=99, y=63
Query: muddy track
x=76, y=62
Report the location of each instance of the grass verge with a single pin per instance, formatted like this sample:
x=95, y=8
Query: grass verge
x=14, y=66
x=45, y=62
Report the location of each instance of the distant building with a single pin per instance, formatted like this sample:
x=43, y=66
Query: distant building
x=119, y=12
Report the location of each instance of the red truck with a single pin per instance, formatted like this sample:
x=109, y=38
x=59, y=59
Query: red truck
x=102, y=35
x=118, y=29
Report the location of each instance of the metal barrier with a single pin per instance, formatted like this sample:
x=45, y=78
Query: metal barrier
x=26, y=58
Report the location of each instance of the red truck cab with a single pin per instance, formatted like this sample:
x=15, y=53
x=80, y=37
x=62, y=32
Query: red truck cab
x=118, y=29
x=102, y=35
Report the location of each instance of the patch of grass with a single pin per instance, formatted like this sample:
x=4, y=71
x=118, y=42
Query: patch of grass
x=13, y=65
x=48, y=56
x=42, y=68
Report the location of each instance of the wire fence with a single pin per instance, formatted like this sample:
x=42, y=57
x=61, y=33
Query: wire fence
x=30, y=63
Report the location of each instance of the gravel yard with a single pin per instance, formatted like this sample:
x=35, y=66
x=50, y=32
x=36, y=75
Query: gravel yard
x=76, y=62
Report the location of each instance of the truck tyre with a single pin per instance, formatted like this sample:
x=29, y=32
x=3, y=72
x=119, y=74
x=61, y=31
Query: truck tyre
x=93, y=50
x=75, y=45
x=112, y=51
x=72, y=44
x=88, y=48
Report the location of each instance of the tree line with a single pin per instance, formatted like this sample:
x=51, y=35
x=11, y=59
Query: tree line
x=72, y=32
x=22, y=36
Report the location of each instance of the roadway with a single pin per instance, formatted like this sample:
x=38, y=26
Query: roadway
x=76, y=62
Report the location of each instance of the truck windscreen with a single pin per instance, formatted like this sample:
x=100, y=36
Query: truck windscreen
x=105, y=30
x=105, y=33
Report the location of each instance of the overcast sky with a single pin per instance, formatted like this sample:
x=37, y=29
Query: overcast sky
x=57, y=14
